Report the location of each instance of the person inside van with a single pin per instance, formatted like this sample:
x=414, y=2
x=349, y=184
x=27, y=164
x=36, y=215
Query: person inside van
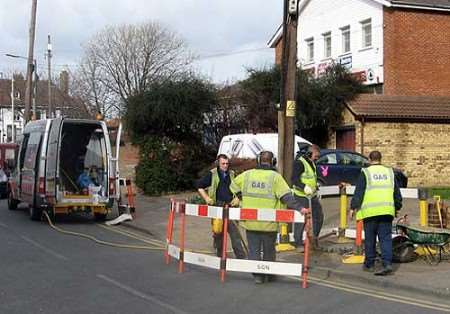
x=93, y=174
x=84, y=179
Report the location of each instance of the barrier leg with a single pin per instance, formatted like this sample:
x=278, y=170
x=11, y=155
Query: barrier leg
x=169, y=231
x=130, y=197
x=223, y=262
x=182, y=227
x=343, y=210
x=306, y=254
x=357, y=257
x=423, y=207
x=358, y=240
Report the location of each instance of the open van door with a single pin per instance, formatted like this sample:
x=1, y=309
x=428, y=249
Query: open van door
x=51, y=173
x=114, y=187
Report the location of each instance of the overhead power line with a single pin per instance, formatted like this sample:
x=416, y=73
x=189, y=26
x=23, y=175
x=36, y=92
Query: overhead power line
x=230, y=53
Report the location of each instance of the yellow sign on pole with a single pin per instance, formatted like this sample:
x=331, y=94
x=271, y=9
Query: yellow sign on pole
x=290, y=108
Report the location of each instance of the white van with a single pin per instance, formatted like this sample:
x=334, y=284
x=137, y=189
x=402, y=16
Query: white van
x=249, y=145
x=54, y=155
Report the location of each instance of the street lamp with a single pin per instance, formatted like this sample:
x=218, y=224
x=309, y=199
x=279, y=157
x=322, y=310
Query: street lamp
x=34, y=71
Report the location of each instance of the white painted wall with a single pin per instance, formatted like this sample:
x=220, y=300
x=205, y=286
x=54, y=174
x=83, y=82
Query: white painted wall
x=321, y=16
x=5, y=120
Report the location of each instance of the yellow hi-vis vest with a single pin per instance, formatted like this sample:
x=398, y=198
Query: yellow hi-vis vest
x=215, y=180
x=308, y=177
x=379, y=194
x=261, y=189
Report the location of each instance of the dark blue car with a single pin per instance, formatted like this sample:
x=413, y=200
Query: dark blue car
x=335, y=166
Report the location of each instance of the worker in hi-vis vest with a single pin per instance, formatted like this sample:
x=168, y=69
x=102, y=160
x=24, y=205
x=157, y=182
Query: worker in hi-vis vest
x=217, y=182
x=304, y=186
x=264, y=189
x=376, y=200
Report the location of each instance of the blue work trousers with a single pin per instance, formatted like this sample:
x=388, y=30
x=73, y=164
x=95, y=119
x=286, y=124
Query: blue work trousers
x=383, y=229
x=259, y=241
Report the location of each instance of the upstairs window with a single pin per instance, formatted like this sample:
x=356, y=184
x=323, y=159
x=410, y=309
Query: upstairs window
x=345, y=31
x=310, y=49
x=327, y=45
x=366, y=28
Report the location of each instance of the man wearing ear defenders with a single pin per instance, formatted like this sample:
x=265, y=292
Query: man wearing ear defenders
x=265, y=189
x=217, y=182
x=304, y=186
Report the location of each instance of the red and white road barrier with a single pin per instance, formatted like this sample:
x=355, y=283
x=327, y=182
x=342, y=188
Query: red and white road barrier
x=262, y=214
x=333, y=190
x=203, y=211
x=224, y=264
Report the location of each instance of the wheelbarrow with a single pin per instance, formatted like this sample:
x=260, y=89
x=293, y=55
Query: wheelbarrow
x=432, y=240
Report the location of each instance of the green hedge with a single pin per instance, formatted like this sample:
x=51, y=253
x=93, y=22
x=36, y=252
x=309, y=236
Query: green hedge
x=168, y=166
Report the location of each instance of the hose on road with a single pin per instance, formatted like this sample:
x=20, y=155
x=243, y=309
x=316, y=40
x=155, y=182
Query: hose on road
x=156, y=245
x=92, y=238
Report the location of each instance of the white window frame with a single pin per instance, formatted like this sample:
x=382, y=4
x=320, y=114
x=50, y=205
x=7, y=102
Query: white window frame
x=327, y=50
x=366, y=31
x=346, y=39
x=309, y=49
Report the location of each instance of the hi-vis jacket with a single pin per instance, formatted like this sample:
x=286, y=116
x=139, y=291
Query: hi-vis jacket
x=379, y=194
x=215, y=180
x=308, y=177
x=261, y=189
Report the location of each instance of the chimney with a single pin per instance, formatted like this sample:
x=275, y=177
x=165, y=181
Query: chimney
x=64, y=82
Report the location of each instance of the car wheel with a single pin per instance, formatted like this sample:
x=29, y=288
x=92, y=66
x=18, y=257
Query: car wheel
x=12, y=203
x=35, y=213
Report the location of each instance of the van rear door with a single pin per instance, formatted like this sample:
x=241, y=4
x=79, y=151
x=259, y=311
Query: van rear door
x=51, y=173
x=114, y=172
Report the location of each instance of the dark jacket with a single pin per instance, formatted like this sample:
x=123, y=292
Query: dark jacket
x=223, y=193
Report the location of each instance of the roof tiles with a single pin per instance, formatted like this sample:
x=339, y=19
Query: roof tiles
x=400, y=107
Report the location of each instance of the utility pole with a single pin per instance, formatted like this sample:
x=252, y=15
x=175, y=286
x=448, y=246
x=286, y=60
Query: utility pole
x=30, y=65
x=286, y=131
x=49, y=58
x=13, y=132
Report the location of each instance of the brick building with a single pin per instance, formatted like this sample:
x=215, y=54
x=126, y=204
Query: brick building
x=64, y=104
x=400, y=50
x=412, y=132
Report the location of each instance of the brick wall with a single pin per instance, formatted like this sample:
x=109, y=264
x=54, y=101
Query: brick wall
x=416, y=52
x=409, y=146
x=128, y=160
x=278, y=52
x=412, y=148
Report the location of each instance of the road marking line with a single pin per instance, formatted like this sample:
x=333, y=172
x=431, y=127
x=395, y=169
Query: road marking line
x=377, y=294
x=3, y=225
x=380, y=292
x=132, y=235
x=43, y=248
x=140, y=294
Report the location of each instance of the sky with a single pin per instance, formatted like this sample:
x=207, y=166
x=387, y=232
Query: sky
x=227, y=35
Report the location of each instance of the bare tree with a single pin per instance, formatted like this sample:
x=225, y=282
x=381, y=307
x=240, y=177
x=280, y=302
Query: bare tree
x=85, y=85
x=121, y=61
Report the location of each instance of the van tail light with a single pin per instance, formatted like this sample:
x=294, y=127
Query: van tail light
x=41, y=188
x=112, y=186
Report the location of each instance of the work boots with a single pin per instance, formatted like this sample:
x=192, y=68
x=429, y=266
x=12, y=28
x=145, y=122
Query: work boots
x=386, y=270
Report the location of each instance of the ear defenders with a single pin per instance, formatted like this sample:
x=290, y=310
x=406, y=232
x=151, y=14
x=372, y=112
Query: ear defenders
x=309, y=151
x=273, y=159
x=305, y=150
x=216, y=162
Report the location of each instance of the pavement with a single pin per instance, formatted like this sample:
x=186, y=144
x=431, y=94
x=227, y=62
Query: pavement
x=415, y=277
